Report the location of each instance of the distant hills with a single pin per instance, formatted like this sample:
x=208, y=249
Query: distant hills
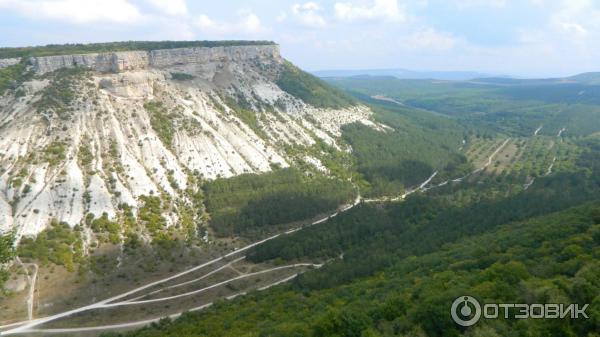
x=590, y=78
x=404, y=74
x=587, y=78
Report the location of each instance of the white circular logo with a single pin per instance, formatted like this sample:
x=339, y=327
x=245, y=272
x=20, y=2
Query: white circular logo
x=468, y=313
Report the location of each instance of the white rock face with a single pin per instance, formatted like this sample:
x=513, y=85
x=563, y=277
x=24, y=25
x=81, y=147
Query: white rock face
x=132, y=60
x=8, y=62
x=111, y=148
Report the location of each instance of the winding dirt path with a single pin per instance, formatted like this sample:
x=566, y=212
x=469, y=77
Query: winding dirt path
x=31, y=279
x=30, y=325
x=147, y=321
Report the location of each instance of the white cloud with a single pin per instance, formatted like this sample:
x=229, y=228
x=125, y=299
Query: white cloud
x=388, y=10
x=281, y=17
x=174, y=30
x=247, y=24
x=171, y=7
x=572, y=27
x=530, y=36
x=567, y=42
x=430, y=39
x=538, y=2
x=307, y=14
x=76, y=11
x=482, y=3
x=576, y=19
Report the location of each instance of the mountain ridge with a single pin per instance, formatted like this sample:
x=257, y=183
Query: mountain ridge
x=104, y=47
x=93, y=136
x=402, y=74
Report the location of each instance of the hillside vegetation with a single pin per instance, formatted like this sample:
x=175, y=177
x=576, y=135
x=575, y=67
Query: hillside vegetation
x=311, y=89
x=394, y=269
x=250, y=202
x=398, y=159
x=7, y=254
x=506, y=107
x=11, y=77
x=553, y=260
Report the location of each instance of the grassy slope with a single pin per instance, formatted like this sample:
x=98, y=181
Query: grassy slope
x=311, y=89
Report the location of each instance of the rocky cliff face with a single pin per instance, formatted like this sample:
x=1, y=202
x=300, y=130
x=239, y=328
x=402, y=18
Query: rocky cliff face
x=101, y=133
x=8, y=62
x=132, y=60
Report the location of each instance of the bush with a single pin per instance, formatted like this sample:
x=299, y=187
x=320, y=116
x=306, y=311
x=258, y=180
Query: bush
x=54, y=153
x=161, y=121
x=57, y=244
x=60, y=93
x=182, y=77
x=151, y=214
x=11, y=77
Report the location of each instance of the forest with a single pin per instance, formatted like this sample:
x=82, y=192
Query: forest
x=508, y=107
x=555, y=259
x=398, y=159
x=250, y=203
x=393, y=269
x=7, y=254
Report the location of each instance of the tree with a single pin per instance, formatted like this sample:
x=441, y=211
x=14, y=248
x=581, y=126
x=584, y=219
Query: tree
x=7, y=253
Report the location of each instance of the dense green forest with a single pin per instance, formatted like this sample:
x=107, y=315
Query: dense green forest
x=79, y=48
x=249, y=203
x=433, y=218
x=7, y=254
x=390, y=233
x=398, y=159
x=394, y=269
x=554, y=259
x=506, y=107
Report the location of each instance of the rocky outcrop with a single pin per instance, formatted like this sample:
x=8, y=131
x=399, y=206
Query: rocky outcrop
x=133, y=60
x=104, y=62
x=8, y=62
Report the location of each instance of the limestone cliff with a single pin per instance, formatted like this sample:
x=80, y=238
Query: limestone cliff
x=132, y=60
x=95, y=134
x=8, y=62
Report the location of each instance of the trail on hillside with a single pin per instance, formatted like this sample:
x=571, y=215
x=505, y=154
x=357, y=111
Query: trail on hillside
x=30, y=325
x=27, y=326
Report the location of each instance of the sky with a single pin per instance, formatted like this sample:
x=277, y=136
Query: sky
x=525, y=38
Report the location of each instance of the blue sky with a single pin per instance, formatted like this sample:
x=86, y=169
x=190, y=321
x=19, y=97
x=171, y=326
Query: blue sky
x=515, y=37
